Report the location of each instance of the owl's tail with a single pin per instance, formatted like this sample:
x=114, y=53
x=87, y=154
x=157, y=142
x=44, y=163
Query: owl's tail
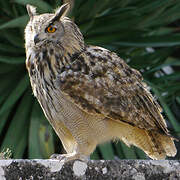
x=154, y=144
x=162, y=145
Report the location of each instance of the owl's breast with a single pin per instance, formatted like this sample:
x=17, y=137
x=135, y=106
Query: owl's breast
x=54, y=103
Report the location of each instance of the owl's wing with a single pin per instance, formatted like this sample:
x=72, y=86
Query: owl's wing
x=99, y=82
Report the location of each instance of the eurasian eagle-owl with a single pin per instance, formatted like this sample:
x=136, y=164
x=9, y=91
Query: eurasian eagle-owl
x=89, y=94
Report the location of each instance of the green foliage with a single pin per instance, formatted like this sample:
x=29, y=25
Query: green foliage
x=144, y=33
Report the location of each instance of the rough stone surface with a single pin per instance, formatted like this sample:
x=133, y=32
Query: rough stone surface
x=116, y=169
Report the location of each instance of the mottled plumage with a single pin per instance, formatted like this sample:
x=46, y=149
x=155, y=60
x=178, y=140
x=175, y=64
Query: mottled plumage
x=89, y=94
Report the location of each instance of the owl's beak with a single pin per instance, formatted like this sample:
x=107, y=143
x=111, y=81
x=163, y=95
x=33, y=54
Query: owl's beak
x=36, y=39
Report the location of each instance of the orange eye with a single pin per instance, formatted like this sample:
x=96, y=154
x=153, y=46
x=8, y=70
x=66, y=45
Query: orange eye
x=51, y=29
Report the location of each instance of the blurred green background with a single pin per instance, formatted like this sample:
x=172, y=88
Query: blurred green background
x=144, y=33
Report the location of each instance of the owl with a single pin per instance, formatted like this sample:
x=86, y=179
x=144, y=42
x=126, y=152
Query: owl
x=88, y=94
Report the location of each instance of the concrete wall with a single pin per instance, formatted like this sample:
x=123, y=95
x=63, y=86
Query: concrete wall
x=116, y=169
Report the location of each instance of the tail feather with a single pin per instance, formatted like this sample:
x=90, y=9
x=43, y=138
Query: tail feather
x=154, y=144
x=167, y=144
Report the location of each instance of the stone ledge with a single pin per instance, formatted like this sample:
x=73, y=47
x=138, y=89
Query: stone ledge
x=116, y=169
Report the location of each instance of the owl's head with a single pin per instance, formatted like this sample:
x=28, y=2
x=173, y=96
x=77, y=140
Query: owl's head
x=51, y=29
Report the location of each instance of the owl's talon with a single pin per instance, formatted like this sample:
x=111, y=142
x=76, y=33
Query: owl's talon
x=69, y=157
x=58, y=156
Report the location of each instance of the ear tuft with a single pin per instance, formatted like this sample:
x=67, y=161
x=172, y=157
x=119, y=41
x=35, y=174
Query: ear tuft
x=31, y=10
x=62, y=11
